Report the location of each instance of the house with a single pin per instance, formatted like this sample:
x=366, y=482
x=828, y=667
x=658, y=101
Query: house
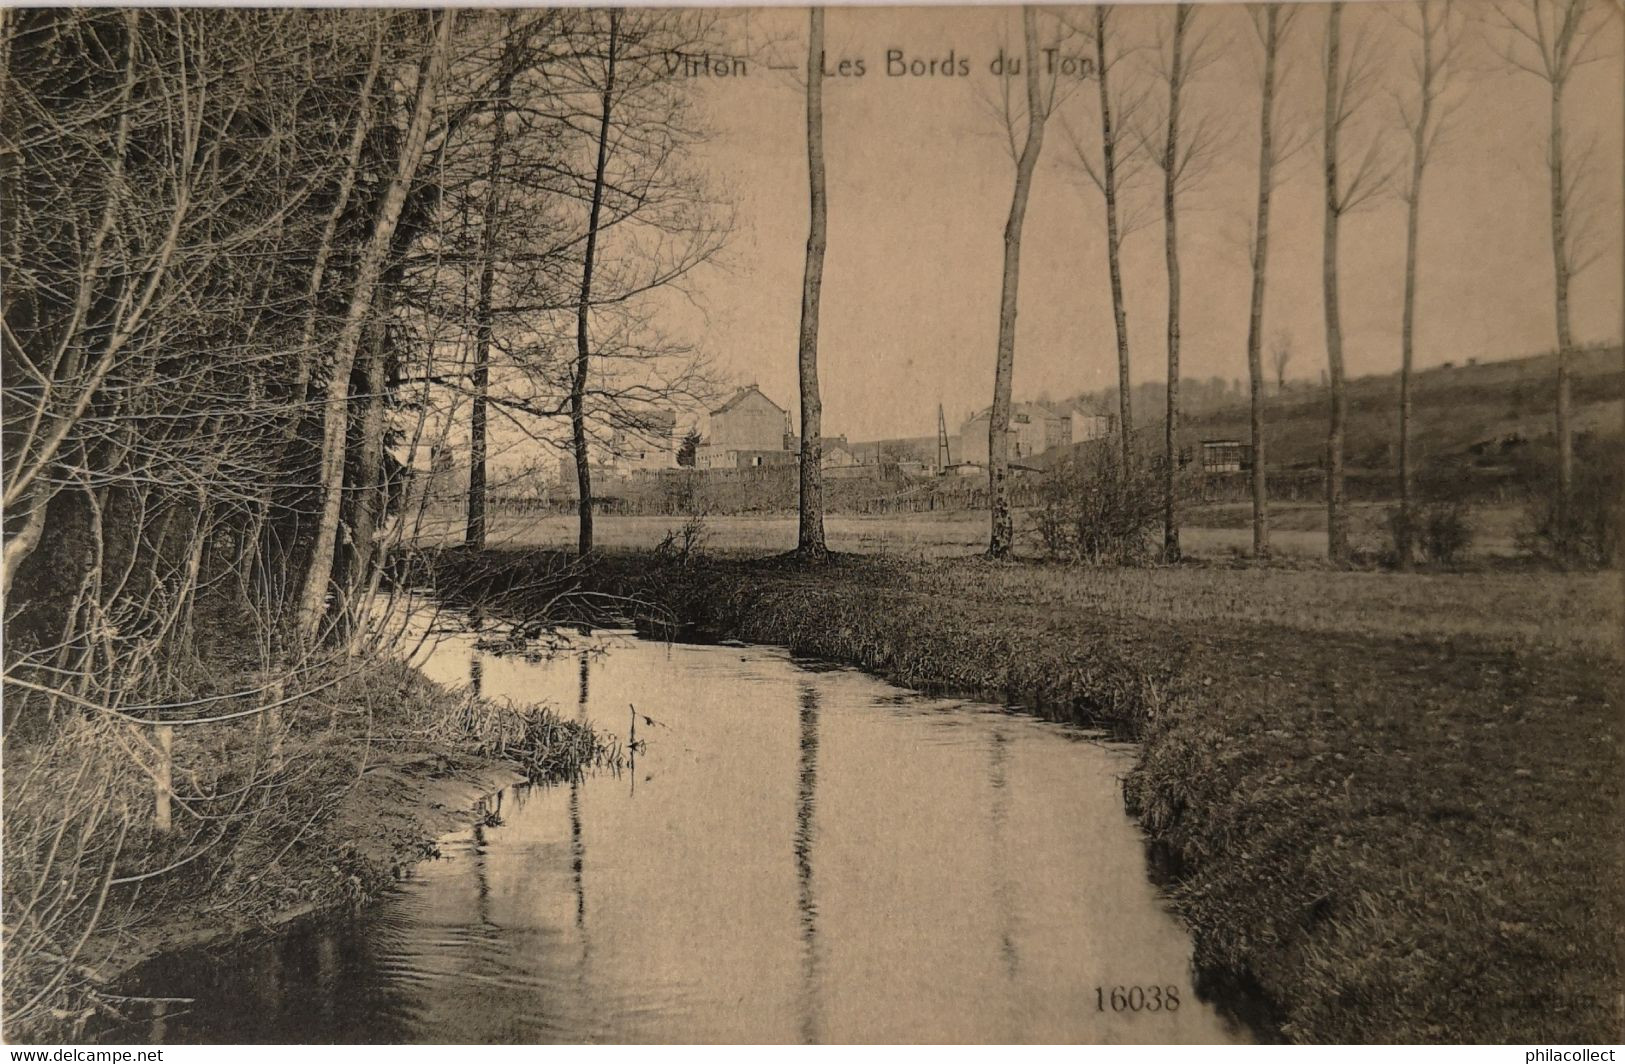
x=625, y=441
x=1057, y=422
x=837, y=454
x=1091, y=421
x=1034, y=428
x=834, y=452
x=746, y=458
x=645, y=441
x=745, y=431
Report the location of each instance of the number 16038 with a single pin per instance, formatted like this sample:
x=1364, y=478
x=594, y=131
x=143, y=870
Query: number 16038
x=1136, y=998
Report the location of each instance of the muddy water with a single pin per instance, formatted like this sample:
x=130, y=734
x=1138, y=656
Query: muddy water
x=798, y=853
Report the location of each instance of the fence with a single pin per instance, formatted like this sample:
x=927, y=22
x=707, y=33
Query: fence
x=953, y=493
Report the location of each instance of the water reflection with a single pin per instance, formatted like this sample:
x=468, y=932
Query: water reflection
x=955, y=874
x=806, y=787
x=578, y=847
x=578, y=855
x=999, y=860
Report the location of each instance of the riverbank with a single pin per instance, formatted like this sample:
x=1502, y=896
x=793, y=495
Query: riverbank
x=278, y=820
x=1390, y=801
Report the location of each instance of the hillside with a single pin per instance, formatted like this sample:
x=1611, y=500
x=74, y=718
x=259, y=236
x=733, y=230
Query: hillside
x=1458, y=410
x=1484, y=414
x=1489, y=406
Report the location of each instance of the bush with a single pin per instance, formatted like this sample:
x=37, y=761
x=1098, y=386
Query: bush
x=1587, y=531
x=1091, y=510
x=686, y=545
x=1439, y=531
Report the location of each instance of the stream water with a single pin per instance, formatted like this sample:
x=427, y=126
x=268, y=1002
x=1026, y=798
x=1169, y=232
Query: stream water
x=796, y=853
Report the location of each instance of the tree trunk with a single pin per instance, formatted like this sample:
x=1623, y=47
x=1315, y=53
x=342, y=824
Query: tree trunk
x=1002, y=533
x=578, y=381
x=369, y=499
x=1404, y=541
x=810, y=539
x=306, y=355
x=1108, y=155
x=480, y=378
x=324, y=247
x=22, y=542
x=480, y=385
x=1255, y=318
x=163, y=788
x=1170, y=216
x=1336, y=526
x=1565, y=338
x=312, y=606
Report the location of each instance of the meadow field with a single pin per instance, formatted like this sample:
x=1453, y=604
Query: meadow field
x=1211, y=532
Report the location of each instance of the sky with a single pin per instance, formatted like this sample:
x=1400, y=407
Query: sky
x=920, y=179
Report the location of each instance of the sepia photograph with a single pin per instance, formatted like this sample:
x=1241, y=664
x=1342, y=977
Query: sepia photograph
x=952, y=526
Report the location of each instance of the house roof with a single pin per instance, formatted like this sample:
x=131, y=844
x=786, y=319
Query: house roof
x=741, y=395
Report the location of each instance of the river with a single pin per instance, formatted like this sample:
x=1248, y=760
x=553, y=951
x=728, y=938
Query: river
x=796, y=853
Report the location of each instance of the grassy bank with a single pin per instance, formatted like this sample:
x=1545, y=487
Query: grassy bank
x=1213, y=531
x=1392, y=800
x=315, y=808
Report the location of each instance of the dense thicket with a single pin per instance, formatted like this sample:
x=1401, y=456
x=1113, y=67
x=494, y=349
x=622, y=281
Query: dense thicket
x=256, y=265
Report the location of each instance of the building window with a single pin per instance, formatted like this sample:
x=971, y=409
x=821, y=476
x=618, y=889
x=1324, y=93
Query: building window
x=1225, y=456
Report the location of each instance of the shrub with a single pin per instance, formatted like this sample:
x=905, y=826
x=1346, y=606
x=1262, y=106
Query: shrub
x=1094, y=511
x=1447, y=531
x=685, y=545
x=1439, y=531
x=1587, y=531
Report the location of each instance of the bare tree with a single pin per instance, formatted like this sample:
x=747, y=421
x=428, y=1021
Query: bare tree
x=1112, y=174
x=578, y=383
x=72, y=370
x=484, y=323
x=1271, y=25
x=336, y=405
x=1280, y=358
x=217, y=148
x=462, y=162
x=1550, y=39
x=494, y=287
x=1181, y=155
x=1002, y=533
x=810, y=537
x=647, y=225
x=1349, y=81
x=306, y=354
x=1437, y=33
x=231, y=279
